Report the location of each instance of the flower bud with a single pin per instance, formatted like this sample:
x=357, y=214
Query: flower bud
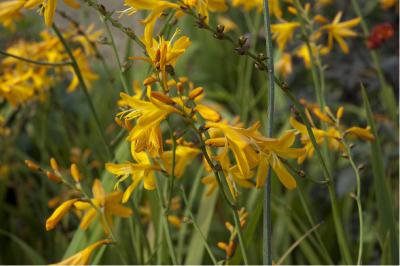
x=196, y=92
x=31, y=165
x=54, y=164
x=162, y=97
x=75, y=173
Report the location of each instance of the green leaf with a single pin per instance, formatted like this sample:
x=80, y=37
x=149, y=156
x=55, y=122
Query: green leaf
x=383, y=196
x=204, y=218
x=33, y=256
x=250, y=228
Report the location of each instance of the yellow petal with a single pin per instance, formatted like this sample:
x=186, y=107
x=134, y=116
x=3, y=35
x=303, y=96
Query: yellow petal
x=83, y=256
x=262, y=172
x=88, y=218
x=59, y=213
x=119, y=210
x=208, y=113
x=98, y=191
x=364, y=133
x=49, y=11
x=284, y=176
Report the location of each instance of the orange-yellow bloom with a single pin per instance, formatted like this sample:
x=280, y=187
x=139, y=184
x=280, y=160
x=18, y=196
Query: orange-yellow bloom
x=340, y=30
x=108, y=204
x=83, y=256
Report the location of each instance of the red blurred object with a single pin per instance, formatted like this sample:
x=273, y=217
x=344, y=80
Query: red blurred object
x=379, y=35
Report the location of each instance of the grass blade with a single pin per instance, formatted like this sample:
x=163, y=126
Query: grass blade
x=33, y=256
x=383, y=195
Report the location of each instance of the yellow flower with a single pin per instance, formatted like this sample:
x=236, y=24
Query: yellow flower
x=163, y=53
x=228, y=24
x=339, y=30
x=83, y=256
x=333, y=134
x=142, y=170
x=320, y=136
x=364, y=133
x=283, y=32
x=88, y=75
x=49, y=7
x=284, y=65
x=59, y=213
x=108, y=204
x=386, y=4
x=238, y=141
x=274, y=6
x=10, y=9
x=271, y=150
x=156, y=7
x=146, y=134
x=184, y=156
x=303, y=52
x=203, y=6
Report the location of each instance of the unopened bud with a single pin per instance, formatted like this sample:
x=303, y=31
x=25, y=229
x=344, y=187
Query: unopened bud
x=162, y=97
x=53, y=177
x=54, y=164
x=31, y=165
x=220, y=28
x=75, y=173
x=180, y=87
x=196, y=92
x=242, y=40
x=149, y=81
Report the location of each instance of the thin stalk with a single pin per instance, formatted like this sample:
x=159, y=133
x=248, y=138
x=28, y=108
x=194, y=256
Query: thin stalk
x=114, y=48
x=295, y=244
x=387, y=95
x=188, y=206
x=164, y=224
x=344, y=249
x=196, y=226
x=78, y=73
x=172, y=175
x=267, y=231
x=98, y=55
x=108, y=16
x=358, y=200
x=240, y=236
x=312, y=223
x=42, y=63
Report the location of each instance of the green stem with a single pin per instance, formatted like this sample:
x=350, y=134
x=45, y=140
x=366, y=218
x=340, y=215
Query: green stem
x=312, y=223
x=196, y=226
x=358, y=200
x=240, y=236
x=107, y=15
x=78, y=73
x=172, y=175
x=164, y=224
x=344, y=249
x=267, y=231
x=43, y=63
x=114, y=47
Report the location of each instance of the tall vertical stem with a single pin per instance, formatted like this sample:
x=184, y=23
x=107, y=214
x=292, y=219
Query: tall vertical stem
x=267, y=256
x=114, y=47
x=78, y=73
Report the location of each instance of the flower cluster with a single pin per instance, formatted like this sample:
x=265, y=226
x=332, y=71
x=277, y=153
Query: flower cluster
x=22, y=81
